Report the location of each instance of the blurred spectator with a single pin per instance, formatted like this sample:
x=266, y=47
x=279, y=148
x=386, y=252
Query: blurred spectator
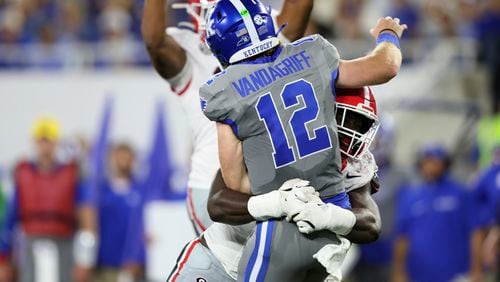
x=11, y=27
x=349, y=19
x=47, y=53
x=487, y=196
x=440, y=17
x=119, y=198
x=48, y=201
x=408, y=13
x=114, y=23
x=468, y=12
x=434, y=224
x=50, y=33
x=375, y=261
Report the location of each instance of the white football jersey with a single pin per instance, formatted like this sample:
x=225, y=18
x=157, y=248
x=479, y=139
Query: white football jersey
x=359, y=172
x=226, y=243
x=200, y=67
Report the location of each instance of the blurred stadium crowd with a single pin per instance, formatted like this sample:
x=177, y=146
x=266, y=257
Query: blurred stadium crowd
x=436, y=226
x=56, y=34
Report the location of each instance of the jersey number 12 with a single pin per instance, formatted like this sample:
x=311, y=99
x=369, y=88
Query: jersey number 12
x=306, y=145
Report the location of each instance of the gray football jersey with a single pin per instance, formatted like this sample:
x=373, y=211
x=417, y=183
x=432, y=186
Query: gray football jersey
x=283, y=109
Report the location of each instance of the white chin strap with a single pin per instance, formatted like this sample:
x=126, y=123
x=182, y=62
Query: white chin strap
x=254, y=49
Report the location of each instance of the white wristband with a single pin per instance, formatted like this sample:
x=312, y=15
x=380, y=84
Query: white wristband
x=265, y=206
x=341, y=220
x=85, y=248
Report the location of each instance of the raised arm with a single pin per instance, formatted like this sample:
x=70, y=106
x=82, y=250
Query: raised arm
x=382, y=64
x=166, y=55
x=295, y=13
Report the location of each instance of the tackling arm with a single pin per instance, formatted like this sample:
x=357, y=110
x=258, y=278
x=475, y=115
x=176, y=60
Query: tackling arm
x=226, y=205
x=231, y=207
x=295, y=13
x=167, y=56
x=378, y=67
x=368, y=222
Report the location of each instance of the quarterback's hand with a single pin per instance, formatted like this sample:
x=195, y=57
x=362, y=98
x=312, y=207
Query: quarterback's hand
x=316, y=217
x=388, y=23
x=295, y=194
x=289, y=198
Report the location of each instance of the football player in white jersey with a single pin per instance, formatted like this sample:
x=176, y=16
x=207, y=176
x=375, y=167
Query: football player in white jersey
x=220, y=247
x=180, y=56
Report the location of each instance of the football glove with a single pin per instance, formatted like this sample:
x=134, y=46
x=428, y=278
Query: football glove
x=320, y=216
x=288, y=199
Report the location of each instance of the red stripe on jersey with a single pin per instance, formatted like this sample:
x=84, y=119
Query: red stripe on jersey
x=183, y=90
x=184, y=259
x=196, y=220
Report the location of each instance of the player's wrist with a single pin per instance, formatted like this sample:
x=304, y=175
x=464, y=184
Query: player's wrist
x=388, y=35
x=85, y=248
x=265, y=206
x=340, y=220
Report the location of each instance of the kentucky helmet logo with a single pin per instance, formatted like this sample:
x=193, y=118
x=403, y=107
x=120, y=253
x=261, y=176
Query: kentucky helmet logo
x=210, y=28
x=259, y=20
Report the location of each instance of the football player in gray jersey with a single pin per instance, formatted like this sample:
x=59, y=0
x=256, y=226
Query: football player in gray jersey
x=357, y=122
x=274, y=105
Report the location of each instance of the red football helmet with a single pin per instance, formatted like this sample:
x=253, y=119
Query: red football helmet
x=198, y=10
x=357, y=120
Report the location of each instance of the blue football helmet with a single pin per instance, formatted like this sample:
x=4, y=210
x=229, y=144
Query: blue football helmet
x=239, y=29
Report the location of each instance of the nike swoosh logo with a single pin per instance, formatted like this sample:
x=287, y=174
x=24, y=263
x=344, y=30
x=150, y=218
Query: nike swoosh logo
x=348, y=176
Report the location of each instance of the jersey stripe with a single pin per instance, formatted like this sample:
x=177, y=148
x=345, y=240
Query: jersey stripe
x=183, y=90
x=267, y=251
x=367, y=96
x=259, y=261
x=184, y=259
x=247, y=19
x=196, y=221
x=253, y=257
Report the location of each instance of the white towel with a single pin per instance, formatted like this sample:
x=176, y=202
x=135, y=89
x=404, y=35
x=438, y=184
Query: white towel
x=331, y=257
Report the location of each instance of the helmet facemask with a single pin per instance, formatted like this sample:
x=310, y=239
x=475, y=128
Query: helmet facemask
x=357, y=128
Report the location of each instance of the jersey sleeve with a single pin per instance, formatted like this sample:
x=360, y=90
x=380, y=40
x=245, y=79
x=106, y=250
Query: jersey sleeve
x=214, y=102
x=181, y=81
x=360, y=172
x=85, y=194
x=403, y=215
x=483, y=201
x=330, y=53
